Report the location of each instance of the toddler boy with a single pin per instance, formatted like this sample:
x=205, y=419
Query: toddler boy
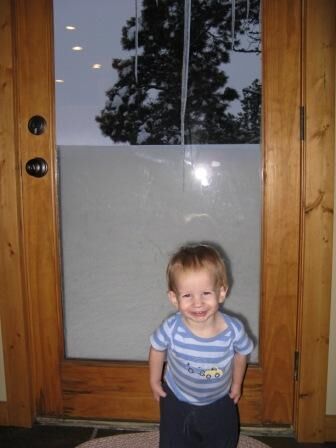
x=205, y=351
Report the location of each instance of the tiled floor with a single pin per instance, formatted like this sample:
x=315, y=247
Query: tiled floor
x=46, y=436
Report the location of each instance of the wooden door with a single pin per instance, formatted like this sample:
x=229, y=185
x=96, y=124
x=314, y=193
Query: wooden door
x=120, y=391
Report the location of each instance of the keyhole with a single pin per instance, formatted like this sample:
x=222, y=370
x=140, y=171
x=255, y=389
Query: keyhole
x=36, y=125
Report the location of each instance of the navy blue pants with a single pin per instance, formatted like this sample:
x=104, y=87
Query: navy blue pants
x=184, y=425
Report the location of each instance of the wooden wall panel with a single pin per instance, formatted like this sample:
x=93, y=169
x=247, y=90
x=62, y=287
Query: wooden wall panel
x=4, y=421
x=319, y=98
x=281, y=94
x=17, y=410
x=330, y=428
x=250, y=405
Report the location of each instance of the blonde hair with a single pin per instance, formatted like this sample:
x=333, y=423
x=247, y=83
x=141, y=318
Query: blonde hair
x=195, y=258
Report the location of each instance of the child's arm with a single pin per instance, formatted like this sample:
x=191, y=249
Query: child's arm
x=239, y=368
x=156, y=361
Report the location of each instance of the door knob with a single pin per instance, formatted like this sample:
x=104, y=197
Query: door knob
x=37, y=167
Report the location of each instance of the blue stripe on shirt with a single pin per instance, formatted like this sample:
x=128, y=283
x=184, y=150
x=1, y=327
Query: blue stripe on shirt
x=192, y=359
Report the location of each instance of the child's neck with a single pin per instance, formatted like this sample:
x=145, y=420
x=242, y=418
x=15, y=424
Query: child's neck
x=209, y=328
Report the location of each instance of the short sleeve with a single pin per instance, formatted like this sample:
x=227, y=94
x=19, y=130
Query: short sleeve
x=161, y=338
x=242, y=344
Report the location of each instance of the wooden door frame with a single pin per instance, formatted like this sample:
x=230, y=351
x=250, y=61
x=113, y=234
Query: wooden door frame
x=318, y=99
x=23, y=339
x=18, y=409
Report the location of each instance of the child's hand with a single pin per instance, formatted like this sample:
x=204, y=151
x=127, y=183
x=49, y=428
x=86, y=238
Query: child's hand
x=158, y=391
x=235, y=393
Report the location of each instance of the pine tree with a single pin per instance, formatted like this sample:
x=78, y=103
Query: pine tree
x=144, y=105
x=250, y=117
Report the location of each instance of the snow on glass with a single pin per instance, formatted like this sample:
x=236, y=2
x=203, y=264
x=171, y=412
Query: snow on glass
x=174, y=88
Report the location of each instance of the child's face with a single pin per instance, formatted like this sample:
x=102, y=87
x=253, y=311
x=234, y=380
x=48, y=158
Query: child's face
x=197, y=297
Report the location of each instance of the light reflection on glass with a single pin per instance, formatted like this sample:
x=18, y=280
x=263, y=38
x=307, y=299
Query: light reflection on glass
x=203, y=174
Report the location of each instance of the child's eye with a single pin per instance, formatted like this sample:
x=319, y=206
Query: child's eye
x=186, y=296
x=207, y=293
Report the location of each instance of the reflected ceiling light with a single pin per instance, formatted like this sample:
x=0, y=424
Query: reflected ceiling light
x=77, y=48
x=70, y=27
x=96, y=66
x=60, y=81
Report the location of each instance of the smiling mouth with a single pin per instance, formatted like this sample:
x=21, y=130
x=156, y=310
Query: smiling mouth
x=199, y=313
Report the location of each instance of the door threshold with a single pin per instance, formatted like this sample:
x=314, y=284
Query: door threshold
x=257, y=431
x=101, y=424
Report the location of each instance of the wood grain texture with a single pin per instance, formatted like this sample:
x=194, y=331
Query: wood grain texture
x=108, y=390
x=268, y=398
x=330, y=428
x=268, y=392
x=281, y=221
x=18, y=408
x=4, y=420
x=121, y=391
x=319, y=98
x=251, y=404
x=35, y=86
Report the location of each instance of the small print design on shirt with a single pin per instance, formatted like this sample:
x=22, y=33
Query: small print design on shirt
x=208, y=374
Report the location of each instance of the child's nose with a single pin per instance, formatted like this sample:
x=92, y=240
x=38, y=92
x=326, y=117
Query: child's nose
x=198, y=300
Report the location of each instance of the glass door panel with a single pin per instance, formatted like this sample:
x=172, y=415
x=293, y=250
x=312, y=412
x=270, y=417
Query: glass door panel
x=158, y=138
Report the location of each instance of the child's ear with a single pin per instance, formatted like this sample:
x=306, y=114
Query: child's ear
x=222, y=293
x=173, y=299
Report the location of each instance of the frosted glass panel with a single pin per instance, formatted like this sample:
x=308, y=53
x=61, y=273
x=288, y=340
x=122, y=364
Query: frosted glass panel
x=124, y=211
x=158, y=130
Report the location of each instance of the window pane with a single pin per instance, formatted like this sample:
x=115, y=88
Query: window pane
x=158, y=134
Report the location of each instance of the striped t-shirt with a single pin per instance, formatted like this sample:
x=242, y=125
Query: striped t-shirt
x=199, y=370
